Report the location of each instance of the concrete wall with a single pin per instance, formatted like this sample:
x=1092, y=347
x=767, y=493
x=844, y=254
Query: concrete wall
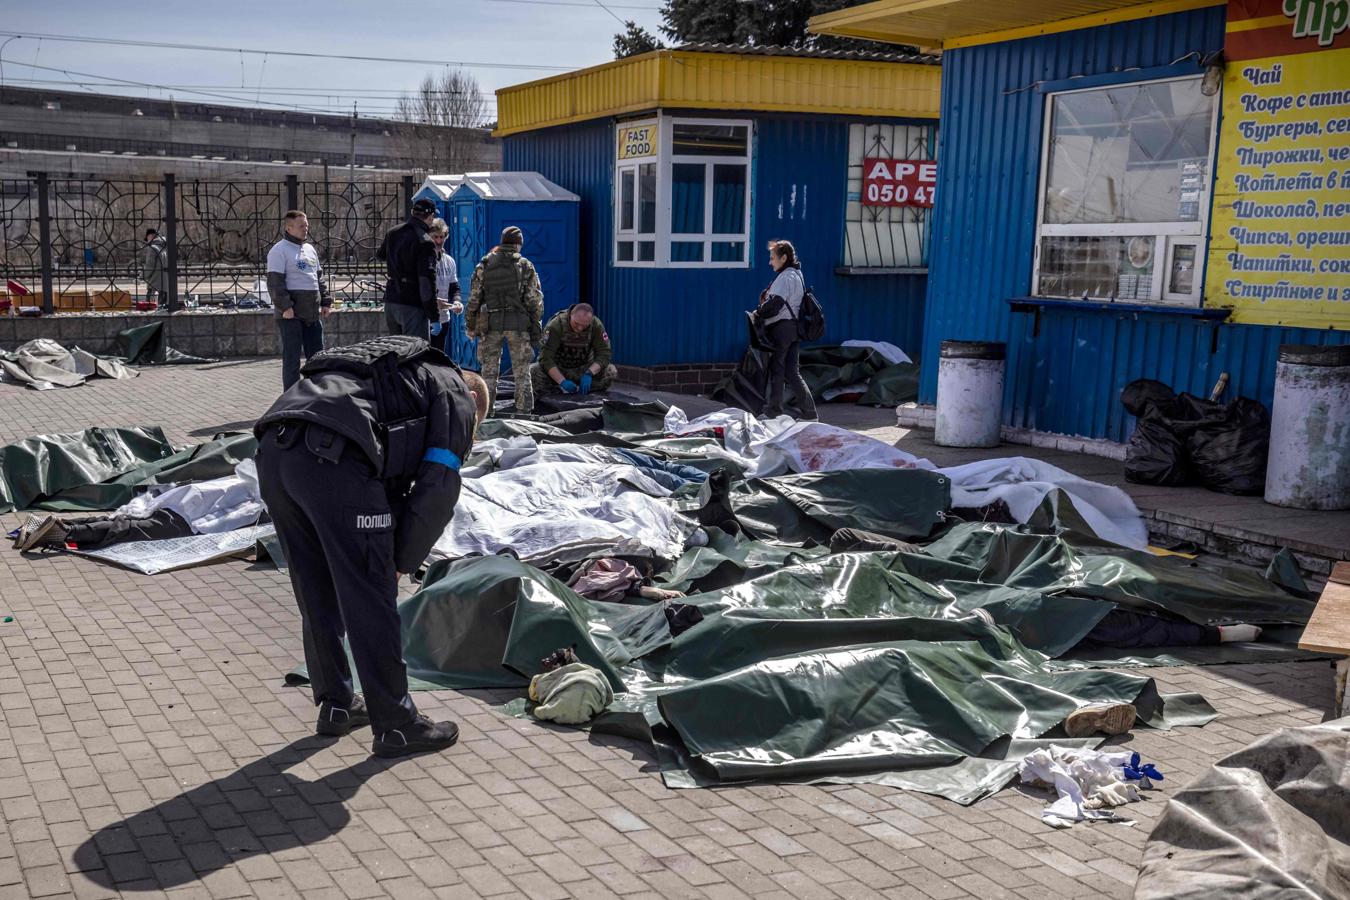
x=16, y=164
x=57, y=121
x=209, y=334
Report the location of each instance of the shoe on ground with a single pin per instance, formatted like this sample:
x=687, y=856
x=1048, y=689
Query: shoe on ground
x=21, y=537
x=335, y=721
x=1103, y=718
x=421, y=735
x=46, y=531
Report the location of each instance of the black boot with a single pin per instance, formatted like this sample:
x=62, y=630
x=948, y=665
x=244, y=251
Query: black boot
x=335, y=721
x=421, y=735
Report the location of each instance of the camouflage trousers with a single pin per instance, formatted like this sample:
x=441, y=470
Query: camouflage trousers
x=546, y=385
x=522, y=354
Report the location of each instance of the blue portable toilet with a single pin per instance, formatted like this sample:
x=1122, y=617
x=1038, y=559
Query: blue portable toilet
x=481, y=206
x=437, y=189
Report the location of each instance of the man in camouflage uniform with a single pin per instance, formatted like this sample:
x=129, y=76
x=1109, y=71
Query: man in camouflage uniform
x=506, y=304
x=575, y=358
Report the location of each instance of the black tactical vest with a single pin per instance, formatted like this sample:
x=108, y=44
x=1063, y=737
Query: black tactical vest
x=401, y=418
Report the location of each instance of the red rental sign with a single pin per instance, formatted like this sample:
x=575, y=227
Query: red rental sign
x=898, y=182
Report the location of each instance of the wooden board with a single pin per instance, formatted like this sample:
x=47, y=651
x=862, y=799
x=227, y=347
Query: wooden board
x=1328, y=630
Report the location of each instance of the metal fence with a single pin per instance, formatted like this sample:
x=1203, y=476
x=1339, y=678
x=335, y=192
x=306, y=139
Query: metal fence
x=78, y=244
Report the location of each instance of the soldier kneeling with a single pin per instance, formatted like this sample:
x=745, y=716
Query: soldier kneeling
x=575, y=358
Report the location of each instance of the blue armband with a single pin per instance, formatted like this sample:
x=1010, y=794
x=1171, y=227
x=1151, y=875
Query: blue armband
x=443, y=456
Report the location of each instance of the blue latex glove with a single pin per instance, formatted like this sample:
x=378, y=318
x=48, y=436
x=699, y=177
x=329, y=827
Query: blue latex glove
x=586, y=383
x=568, y=386
x=435, y=328
x=1134, y=771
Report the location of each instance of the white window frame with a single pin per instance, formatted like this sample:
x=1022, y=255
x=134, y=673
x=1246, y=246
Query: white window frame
x=664, y=159
x=1166, y=235
x=634, y=164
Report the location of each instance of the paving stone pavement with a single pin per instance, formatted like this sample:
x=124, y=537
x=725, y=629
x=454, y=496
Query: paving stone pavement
x=148, y=745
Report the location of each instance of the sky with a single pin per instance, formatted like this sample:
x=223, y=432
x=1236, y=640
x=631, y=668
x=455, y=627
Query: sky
x=501, y=42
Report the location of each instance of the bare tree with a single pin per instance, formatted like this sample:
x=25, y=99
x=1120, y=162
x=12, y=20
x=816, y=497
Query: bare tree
x=443, y=120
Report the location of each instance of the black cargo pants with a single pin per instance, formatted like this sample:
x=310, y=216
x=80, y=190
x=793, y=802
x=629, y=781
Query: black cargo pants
x=336, y=529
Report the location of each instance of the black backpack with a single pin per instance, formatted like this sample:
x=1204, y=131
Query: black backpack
x=810, y=318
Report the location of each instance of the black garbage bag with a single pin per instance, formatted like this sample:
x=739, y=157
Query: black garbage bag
x=1228, y=447
x=1183, y=439
x=1156, y=454
x=1142, y=391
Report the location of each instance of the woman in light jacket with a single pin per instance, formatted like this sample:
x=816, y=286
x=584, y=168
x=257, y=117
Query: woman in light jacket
x=779, y=305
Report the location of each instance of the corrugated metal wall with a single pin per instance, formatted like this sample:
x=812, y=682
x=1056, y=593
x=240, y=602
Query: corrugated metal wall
x=693, y=80
x=1067, y=379
x=665, y=316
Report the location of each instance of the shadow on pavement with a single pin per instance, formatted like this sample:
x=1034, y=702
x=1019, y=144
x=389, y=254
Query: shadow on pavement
x=260, y=809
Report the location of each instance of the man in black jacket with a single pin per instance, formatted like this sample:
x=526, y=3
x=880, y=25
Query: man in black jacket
x=410, y=255
x=358, y=464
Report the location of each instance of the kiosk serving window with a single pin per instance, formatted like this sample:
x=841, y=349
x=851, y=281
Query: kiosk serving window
x=682, y=193
x=1125, y=188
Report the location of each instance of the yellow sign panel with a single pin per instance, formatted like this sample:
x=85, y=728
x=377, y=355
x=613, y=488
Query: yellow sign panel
x=1280, y=236
x=637, y=140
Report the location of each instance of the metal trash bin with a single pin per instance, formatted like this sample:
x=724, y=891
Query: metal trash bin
x=1309, y=463
x=970, y=393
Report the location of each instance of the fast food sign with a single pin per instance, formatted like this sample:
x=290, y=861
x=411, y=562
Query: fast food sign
x=898, y=182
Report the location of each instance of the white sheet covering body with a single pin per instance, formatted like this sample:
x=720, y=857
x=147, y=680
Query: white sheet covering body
x=1022, y=483
x=153, y=557
x=777, y=446
x=210, y=507
x=536, y=509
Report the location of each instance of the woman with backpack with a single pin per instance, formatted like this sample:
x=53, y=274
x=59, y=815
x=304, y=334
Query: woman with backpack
x=780, y=305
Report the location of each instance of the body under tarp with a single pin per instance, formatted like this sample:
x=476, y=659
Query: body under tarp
x=103, y=468
x=867, y=374
x=43, y=364
x=1270, y=821
x=933, y=669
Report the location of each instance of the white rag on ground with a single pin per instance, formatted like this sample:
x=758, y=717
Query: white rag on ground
x=1088, y=783
x=537, y=509
x=210, y=507
x=778, y=446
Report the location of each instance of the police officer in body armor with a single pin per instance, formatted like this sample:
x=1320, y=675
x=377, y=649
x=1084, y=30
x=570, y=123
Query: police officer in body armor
x=358, y=464
x=506, y=304
x=410, y=254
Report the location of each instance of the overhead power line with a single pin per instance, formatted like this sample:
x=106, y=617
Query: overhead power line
x=241, y=95
x=208, y=48
x=612, y=13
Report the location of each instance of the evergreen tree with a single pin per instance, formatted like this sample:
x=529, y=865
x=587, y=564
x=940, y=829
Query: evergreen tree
x=776, y=23
x=634, y=40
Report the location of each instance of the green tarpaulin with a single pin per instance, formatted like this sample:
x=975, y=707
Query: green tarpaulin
x=933, y=669
x=845, y=666
x=147, y=345
x=103, y=468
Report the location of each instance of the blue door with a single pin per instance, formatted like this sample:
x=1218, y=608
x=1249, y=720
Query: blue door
x=466, y=244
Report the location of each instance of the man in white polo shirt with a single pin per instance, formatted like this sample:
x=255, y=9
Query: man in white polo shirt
x=299, y=293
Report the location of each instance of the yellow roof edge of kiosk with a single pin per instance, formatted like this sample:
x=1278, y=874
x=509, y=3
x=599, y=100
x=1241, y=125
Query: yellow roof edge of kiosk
x=766, y=79
x=951, y=24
